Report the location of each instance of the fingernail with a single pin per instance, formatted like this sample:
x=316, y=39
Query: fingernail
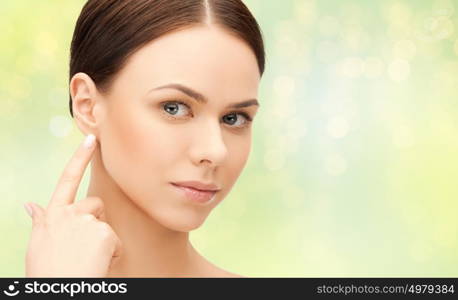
x=89, y=141
x=28, y=209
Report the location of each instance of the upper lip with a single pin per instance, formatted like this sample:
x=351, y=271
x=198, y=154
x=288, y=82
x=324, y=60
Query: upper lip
x=208, y=187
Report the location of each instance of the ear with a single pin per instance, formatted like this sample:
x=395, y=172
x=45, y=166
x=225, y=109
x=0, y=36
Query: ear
x=86, y=104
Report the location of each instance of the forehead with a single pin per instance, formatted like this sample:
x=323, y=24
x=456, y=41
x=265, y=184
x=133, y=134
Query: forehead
x=206, y=58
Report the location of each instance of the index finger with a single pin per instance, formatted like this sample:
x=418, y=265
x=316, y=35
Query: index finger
x=70, y=179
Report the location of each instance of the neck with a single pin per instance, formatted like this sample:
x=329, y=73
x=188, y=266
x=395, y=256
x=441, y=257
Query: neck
x=149, y=249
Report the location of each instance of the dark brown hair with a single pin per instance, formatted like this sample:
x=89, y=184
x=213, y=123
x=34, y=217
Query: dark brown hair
x=108, y=32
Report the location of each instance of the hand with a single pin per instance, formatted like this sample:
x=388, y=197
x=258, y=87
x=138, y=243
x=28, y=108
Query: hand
x=69, y=239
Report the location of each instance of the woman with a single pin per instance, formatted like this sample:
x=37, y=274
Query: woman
x=165, y=91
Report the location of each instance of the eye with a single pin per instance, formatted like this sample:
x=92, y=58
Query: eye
x=233, y=119
x=172, y=108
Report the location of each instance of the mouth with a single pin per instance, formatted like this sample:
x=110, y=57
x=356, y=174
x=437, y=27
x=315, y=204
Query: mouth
x=195, y=195
x=197, y=185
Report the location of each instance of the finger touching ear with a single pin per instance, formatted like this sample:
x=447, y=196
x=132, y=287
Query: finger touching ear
x=86, y=103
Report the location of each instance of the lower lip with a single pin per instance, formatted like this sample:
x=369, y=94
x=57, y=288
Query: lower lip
x=195, y=195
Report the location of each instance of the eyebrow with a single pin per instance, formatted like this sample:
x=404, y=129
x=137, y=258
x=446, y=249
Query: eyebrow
x=201, y=98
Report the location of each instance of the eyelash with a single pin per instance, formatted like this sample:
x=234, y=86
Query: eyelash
x=244, y=114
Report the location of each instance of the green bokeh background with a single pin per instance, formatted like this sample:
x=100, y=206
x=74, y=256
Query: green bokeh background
x=353, y=168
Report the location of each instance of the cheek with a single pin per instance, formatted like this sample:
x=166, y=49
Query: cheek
x=239, y=151
x=140, y=153
x=134, y=153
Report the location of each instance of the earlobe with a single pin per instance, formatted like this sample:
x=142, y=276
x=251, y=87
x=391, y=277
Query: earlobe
x=84, y=99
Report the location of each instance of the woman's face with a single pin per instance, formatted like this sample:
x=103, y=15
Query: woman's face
x=148, y=140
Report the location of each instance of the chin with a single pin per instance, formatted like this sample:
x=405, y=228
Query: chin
x=181, y=222
x=184, y=226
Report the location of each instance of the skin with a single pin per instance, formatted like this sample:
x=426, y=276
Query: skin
x=68, y=238
x=141, y=148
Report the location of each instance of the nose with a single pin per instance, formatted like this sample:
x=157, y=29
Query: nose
x=208, y=145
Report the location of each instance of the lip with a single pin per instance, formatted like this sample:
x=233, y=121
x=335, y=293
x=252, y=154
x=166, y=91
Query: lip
x=197, y=185
x=195, y=195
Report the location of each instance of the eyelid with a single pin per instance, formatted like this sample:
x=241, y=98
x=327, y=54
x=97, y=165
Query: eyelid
x=245, y=114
